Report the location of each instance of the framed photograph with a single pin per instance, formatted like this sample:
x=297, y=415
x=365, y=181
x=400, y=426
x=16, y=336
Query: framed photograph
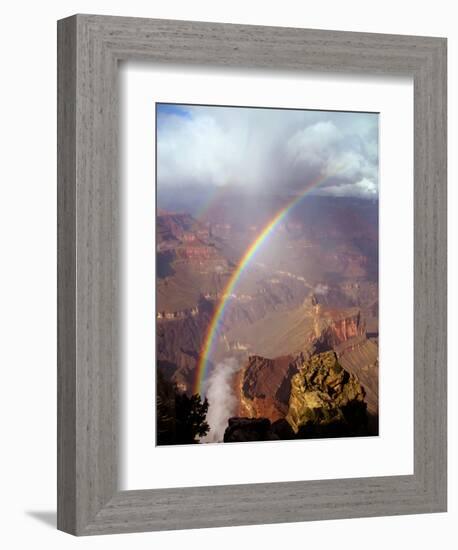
x=251, y=275
x=258, y=261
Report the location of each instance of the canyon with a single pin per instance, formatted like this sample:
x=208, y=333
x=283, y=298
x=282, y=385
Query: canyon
x=311, y=292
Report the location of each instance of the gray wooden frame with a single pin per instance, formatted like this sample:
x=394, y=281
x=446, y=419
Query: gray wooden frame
x=89, y=48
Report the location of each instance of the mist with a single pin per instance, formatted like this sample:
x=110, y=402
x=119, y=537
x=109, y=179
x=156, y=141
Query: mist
x=221, y=398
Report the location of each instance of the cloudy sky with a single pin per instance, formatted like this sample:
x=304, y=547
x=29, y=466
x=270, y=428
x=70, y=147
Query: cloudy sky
x=267, y=149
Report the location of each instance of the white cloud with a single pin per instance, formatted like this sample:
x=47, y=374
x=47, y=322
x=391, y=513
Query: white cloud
x=313, y=144
x=267, y=148
x=364, y=189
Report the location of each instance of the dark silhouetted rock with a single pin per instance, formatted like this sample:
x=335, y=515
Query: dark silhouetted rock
x=249, y=429
x=282, y=429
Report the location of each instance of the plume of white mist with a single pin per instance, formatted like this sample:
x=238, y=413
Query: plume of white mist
x=221, y=398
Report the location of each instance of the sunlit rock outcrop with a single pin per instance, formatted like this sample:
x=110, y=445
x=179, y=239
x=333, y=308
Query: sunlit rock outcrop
x=325, y=398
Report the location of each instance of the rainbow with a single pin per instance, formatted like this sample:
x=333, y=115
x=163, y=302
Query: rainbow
x=212, y=329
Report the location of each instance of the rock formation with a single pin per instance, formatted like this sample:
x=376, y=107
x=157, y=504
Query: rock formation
x=249, y=429
x=332, y=328
x=325, y=398
x=263, y=386
x=257, y=429
x=325, y=401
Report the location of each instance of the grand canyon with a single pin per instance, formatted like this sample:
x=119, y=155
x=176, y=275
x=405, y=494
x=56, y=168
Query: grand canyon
x=268, y=338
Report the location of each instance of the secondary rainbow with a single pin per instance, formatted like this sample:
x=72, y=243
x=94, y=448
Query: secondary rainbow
x=212, y=329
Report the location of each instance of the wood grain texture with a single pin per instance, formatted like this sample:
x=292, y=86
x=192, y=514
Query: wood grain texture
x=90, y=47
x=66, y=275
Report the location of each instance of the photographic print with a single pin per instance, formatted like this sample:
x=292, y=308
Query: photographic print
x=266, y=274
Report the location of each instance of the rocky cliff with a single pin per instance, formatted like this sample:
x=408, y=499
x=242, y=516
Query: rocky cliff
x=172, y=226
x=326, y=398
x=263, y=387
x=333, y=327
x=359, y=356
x=264, y=384
x=178, y=341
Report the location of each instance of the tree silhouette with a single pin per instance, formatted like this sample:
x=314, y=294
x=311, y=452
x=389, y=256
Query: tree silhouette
x=181, y=419
x=190, y=418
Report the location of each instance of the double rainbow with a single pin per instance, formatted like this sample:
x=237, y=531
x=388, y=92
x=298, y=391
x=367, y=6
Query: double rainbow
x=212, y=329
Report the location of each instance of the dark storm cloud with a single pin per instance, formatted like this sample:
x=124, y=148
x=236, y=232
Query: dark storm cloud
x=268, y=148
